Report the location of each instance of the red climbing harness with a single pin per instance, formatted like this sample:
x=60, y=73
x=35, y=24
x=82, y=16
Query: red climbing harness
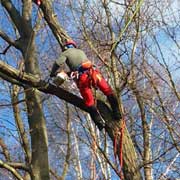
x=119, y=136
x=91, y=77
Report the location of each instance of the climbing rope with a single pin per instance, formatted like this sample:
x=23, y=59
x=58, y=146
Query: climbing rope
x=118, y=136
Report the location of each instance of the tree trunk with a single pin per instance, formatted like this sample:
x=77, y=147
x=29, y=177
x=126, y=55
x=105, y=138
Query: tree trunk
x=20, y=125
x=130, y=165
x=26, y=44
x=37, y=125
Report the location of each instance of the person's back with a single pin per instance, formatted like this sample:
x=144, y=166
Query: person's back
x=73, y=57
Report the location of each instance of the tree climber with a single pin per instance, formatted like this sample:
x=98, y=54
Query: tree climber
x=86, y=76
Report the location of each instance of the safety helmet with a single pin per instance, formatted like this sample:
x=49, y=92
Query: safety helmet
x=70, y=42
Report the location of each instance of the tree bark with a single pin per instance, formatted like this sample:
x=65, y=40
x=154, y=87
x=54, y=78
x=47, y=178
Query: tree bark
x=37, y=125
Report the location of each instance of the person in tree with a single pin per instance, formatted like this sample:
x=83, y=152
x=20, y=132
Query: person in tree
x=86, y=77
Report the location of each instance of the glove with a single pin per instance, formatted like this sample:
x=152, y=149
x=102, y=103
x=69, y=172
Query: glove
x=63, y=75
x=54, y=70
x=60, y=78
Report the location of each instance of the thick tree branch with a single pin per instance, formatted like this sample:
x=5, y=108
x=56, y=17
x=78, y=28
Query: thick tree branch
x=13, y=75
x=10, y=79
x=17, y=165
x=27, y=10
x=23, y=78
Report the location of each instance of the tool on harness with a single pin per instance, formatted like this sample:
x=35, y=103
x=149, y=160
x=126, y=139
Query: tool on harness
x=74, y=75
x=84, y=67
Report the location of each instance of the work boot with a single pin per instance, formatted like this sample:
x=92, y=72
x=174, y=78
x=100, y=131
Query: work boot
x=115, y=107
x=95, y=115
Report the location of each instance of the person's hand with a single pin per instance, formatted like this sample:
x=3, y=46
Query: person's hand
x=62, y=75
x=60, y=78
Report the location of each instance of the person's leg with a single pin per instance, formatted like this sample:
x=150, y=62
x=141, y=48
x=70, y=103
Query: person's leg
x=102, y=84
x=84, y=86
x=115, y=106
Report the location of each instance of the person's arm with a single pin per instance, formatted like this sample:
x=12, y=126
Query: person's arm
x=54, y=70
x=57, y=65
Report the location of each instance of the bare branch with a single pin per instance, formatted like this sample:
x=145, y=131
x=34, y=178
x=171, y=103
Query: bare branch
x=16, y=165
x=5, y=150
x=7, y=39
x=5, y=50
x=11, y=169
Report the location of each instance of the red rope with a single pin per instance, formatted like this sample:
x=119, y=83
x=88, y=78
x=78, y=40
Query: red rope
x=121, y=148
x=115, y=143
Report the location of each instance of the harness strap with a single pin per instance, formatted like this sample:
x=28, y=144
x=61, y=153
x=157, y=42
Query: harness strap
x=87, y=67
x=84, y=66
